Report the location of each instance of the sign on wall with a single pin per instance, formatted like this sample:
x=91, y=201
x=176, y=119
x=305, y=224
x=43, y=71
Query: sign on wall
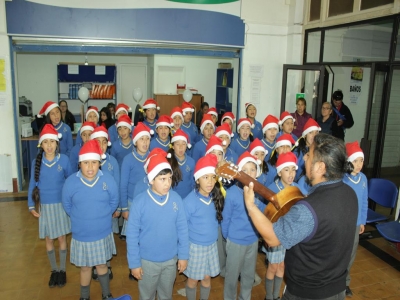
x=356, y=78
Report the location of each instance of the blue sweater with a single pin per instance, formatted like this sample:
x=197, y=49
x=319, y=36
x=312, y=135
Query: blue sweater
x=51, y=180
x=202, y=219
x=300, y=164
x=90, y=205
x=192, y=132
x=236, y=224
x=74, y=157
x=359, y=183
x=157, y=143
x=277, y=186
x=199, y=149
x=119, y=151
x=271, y=175
x=152, y=126
x=187, y=184
x=132, y=172
x=239, y=146
x=113, y=134
x=231, y=156
x=66, y=142
x=263, y=179
x=257, y=130
x=303, y=185
x=270, y=147
x=157, y=229
x=293, y=136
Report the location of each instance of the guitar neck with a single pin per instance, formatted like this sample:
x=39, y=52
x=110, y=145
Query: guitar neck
x=260, y=189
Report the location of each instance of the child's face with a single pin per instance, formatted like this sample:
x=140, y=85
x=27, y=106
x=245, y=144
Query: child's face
x=310, y=137
x=214, y=119
x=103, y=116
x=208, y=131
x=49, y=147
x=227, y=120
x=163, y=132
x=244, y=132
x=287, y=175
x=85, y=136
x=218, y=154
x=283, y=149
x=206, y=184
x=270, y=134
x=251, y=112
x=142, y=145
x=227, y=139
x=92, y=117
x=124, y=133
x=358, y=165
x=188, y=116
x=103, y=142
x=55, y=116
x=150, y=114
x=180, y=149
x=120, y=113
x=89, y=168
x=250, y=169
x=260, y=155
x=177, y=122
x=161, y=184
x=287, y=126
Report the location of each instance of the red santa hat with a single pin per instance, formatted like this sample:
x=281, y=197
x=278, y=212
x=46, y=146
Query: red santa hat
x=205, y=165
x=94, y=109
x=156, y=162
x=224, y=129
x=180, y=135
x=91, y=151
x=285, y=140
x=310, y=125
x=246, y=105
x=150, y=103
x=122, y=107
x=47, y=107
x=212, y=111
x=206, y=120
x=100, y=131
x=353, y=151
x=124, y=120
x=87, y=126
x=187, y=107
x=49, y=132
x=285, y=160
x=165, y=120
x=244, y=121
x=270, y=122
x=284, y=116
x=215, y=143
x=256, y=145
x=247, y=157
x=176, y=111
x=141, y=130
x=228, y=115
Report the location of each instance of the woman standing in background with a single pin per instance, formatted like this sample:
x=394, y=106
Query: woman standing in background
x=66, y=116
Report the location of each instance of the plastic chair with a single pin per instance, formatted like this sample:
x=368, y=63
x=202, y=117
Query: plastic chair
x=123, y=297
x=390, y=230
x=382, y=192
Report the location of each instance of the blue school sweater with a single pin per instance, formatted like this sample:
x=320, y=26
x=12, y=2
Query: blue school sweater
x=239, y=146
x=231, y=156
x=192, y=132
x=152, y=126
x=74, y=157
x=270, y=147
x=257, y=130
x=359, y=183
x=132, y=172
x=201, y=218
x=90, y=205
x=157, y=229
x=187, y=184
x=51, y=180
x=263, y=179
x=110, y=165
x=293, y=136
x=277, y=186
x=113, y=134
x=271, y=175
x=300, y=164
x=303, y=185
x=236, y=224
x=199, y=149
x=66, y=142
x=119, y=151
x=157, y=143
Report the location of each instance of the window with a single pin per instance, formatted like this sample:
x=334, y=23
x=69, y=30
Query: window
x=313, y=46
x=315, y=10
x=340, y=7
x=366, y=4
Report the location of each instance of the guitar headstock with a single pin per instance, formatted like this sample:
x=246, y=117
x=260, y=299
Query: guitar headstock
x=227, y=172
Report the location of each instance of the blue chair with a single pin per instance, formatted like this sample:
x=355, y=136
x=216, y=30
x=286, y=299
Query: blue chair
x=384, y=193
x=390, y=230
x=123, y=297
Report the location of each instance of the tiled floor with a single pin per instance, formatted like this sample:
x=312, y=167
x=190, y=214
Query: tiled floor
x=25, y=268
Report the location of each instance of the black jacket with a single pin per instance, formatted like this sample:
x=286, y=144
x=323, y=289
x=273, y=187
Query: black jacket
x=339, y=131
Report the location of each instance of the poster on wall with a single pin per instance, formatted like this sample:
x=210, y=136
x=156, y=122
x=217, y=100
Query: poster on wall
x=356, y=78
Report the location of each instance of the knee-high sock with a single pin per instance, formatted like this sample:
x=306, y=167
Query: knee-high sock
x=269, y=287
x=191, y=293
x=52, y=257
x=105, y=284
x=277, y=286
x=63, y=259
x=85, y=291
x=204, y=292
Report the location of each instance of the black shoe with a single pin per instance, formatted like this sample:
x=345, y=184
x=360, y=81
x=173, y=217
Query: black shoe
x=110, y=273
x=122, y=237
x=349, y=293
x=94, y=275
x=109, y=297
x=131, y=277
x=62, y=278
x=53, y=279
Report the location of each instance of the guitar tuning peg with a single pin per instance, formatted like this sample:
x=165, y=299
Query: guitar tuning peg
x=221, y=179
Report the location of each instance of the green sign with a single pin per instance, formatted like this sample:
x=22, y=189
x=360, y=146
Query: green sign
x=300, y=95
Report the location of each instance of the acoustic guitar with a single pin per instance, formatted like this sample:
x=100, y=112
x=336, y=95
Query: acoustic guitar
x=280, y=203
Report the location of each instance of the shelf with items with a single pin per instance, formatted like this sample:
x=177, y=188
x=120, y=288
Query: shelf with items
x=223, y=97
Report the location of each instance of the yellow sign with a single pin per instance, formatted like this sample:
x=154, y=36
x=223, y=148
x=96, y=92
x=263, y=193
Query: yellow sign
x=2, y=76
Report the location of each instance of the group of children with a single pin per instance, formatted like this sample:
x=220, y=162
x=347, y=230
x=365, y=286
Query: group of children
x=175, y=210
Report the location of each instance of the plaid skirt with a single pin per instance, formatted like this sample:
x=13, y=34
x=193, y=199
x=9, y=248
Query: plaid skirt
x=89, y=254
x=276, y=254
x=203, y=260
x=123, y=230
x=53, y=221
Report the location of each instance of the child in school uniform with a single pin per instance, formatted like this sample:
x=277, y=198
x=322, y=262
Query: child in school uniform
x=108, y=165
x=52, y=112
x=212, y=111
x=286, y=123
x=229, y=118
x=203, y=207
x=224, y=133
x=85, y=131
x=251, y=112
x=358, y=181
x=49, y=172
x=286, y=167
x=257, y=149
x=215, y=146
x=150, y=109
x=241, y=143
x=123, y=146
x=90, y=197
x=177, y=118
x=92, y=115
x=188, y=126
x=241, y=235
x=157, y=233
x=163, y=130
x=270, y=130
x=120, y=109
x=180, y=141
x=207, y=129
